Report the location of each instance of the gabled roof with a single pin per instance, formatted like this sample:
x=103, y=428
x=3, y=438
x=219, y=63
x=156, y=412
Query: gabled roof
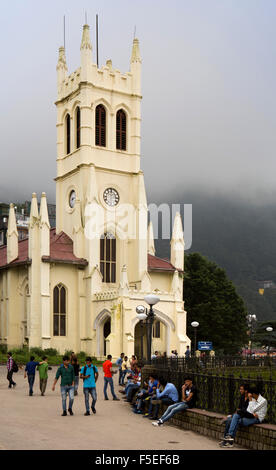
x=159, y=264
x=61, y=251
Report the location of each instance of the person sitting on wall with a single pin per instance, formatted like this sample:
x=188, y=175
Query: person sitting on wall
x=254, y=414
x=149, y=389
x=189, y=396
x=243, y=404
x=168, y=396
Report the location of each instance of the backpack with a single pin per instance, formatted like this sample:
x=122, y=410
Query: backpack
x=14, y=366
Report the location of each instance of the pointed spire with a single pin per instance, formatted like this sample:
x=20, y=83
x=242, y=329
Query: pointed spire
x=44, y=218
x=12, y=236
x=151, y=246
x=34, y=210
x=136, y=56
x=85, y=41
x=62, y=65
x=177, y=243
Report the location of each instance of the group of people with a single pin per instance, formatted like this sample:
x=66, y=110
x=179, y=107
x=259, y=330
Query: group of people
x=145, y=397
x=69, y=373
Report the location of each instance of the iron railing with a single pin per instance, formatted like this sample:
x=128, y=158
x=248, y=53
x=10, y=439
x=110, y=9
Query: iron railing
x=217, y=391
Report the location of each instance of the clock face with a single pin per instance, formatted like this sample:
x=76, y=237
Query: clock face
x=111, y=197
x=72, y=199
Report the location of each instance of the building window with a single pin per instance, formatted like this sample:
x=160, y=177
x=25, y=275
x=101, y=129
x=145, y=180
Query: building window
x=100, y=126
x=59, y=310
x=68, y=133
x=121, y=130
x=78, y=127
x=156, y=329
x=108, y=257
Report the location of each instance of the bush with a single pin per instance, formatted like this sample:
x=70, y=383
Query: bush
x=37, y=352
x=3, y=348
x=50, y=352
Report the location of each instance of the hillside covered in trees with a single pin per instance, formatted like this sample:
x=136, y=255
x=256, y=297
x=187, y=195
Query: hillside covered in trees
x=240, y=237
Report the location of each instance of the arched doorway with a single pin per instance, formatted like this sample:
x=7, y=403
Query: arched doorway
x=140, y=340
x=106, y=332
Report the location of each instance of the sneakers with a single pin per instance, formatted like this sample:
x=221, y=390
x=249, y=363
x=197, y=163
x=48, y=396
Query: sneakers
x=93, y=409
x=158, y=423
x=87, y=413
x=228, y=441
x=147, y=415
x=106, y=398
x=64, y=413
x=116, y=399
x=70, y=411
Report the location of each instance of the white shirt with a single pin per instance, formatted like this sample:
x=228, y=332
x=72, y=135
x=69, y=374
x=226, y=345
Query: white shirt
x=258, y=406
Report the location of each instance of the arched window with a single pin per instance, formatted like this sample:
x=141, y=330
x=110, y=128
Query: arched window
x=156, y=329
x=68, y=133
x=108, y=257
x=59, y=310
x=78, y=127
x=121, y=130
x=100, y=126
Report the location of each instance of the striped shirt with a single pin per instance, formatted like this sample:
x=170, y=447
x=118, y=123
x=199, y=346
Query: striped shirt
x=10, y=364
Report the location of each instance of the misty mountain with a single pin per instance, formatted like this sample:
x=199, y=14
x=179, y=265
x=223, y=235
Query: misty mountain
x=240, y=237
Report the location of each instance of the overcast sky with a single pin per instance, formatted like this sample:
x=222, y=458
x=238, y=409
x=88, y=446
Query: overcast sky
x=208, y=84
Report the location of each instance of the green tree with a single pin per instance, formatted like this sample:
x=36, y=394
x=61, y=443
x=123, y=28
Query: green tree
x=211, y=299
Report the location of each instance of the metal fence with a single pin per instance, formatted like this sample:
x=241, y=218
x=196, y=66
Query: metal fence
x=217, y=392
x=217, y=362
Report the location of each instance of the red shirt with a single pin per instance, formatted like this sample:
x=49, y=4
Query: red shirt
x=106, y=368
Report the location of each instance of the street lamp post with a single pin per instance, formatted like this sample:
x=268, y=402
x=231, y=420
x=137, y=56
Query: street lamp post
x=195, y=325
x=148, y=314
x=269, y=329
x=251, y=320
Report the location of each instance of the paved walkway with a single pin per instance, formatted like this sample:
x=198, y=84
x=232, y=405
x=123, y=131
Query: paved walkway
x=35, y=422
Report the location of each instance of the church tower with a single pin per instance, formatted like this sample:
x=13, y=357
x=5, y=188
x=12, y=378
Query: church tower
x=100, y=189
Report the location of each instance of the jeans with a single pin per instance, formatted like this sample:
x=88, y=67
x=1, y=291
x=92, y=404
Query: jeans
x=109, y=380
x=172, y=409
x=42, y=385
x=120, y=377
x=124, y=373
x=9, y=378
x=131, y=388
x=93, y=393
x=76, y=384
x=237, y=421
x=64, y=390
x=31, y=379
x=165, y=401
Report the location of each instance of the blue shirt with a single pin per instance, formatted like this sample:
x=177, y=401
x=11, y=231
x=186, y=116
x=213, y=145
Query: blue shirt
x=169, y=391
x=90, y=382
x=152, y=384
x=119, y=362
x=30, y=367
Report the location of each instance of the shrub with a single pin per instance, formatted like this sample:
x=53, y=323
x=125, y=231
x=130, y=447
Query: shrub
x=3, y=348
x=50, y=352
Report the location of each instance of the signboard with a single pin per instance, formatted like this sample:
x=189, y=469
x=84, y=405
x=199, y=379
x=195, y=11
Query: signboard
x=204, y=345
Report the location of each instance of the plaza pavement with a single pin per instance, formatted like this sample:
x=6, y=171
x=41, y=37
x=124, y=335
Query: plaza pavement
x=35, y=422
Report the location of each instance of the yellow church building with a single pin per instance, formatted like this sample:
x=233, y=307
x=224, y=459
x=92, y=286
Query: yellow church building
x=76, y=287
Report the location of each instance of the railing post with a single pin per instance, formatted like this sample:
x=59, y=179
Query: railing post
x=210, y=388
x=231, y=393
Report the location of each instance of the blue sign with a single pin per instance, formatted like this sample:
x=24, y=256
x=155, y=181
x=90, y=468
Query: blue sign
x=205, y=345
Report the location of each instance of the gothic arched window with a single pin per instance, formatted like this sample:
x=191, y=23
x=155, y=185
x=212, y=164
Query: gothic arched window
x=59, y=310
x=78, y=128
x=68, y=133
x=156, y=329
x=100, y=126
x=121, y=123
x=108, y=257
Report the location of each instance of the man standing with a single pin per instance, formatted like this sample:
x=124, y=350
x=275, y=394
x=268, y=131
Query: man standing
x=189, y=395
x=10, y=370
x=67, y=374
x=119, y=364
x=254, y=414
x=187, y=353
x=43, y=375
x=89, y=374
x=30, y=371
x=108, y=378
